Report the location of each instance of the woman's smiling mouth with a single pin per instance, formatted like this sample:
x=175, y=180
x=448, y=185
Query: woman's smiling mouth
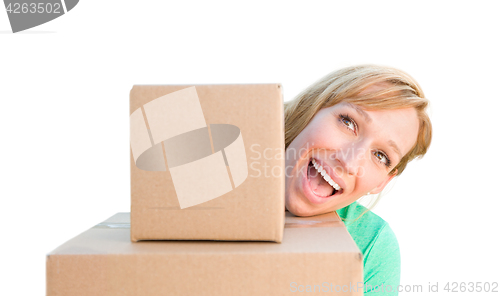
x=319, y=186
x=325, y=175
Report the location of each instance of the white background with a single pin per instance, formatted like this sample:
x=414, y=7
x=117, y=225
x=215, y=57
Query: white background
x=64, y=90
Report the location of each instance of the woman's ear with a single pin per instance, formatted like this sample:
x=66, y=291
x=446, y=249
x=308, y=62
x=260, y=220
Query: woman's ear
x=382, y=185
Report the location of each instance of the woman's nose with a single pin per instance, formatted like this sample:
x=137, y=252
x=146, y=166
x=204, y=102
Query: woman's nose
x=353, y=159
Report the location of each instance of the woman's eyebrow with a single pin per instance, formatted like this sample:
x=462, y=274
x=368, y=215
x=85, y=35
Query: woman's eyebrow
x=361, y=112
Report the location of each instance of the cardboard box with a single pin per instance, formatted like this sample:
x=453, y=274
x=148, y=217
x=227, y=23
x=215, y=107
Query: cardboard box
x=207, y=162
x=316, y=253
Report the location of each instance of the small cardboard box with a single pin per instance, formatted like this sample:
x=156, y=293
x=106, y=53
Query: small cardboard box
x=207, y=162
x=317, y=255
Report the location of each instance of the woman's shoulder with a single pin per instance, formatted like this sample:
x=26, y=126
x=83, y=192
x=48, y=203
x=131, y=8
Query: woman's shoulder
x=357, y=214
x=377, y=242
x=366, y=227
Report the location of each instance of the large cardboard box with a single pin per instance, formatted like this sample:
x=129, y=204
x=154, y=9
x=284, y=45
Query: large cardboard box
x=317, y=256
x=207, y=162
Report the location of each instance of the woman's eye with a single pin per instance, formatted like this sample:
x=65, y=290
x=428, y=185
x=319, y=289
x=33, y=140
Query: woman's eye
x=348, y=122
x=382, y=158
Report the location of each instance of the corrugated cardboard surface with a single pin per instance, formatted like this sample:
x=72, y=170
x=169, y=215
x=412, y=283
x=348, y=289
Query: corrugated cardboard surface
x=251, y=211
x=103, y=261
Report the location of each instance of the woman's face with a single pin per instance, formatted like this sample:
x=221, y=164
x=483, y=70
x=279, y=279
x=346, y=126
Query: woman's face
x=354, y=148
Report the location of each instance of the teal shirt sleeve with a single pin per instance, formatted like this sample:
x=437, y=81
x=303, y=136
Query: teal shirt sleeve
x=380, y=248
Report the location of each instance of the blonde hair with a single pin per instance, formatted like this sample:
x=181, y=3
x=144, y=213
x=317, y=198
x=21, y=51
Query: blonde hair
x=399, y=90
x=345, y=85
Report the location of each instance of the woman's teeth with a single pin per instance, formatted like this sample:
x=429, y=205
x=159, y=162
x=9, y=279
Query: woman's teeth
x=325, y=176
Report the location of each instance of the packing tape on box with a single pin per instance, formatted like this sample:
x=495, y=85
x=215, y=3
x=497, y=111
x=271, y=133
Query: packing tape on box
x=306, y=224
x=178, y=132
x=326, y=220
x=291, y=224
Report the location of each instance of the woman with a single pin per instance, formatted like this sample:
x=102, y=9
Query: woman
x=347, y=136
